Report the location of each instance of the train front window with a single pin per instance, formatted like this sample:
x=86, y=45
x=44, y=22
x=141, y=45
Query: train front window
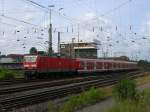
x=30, y=58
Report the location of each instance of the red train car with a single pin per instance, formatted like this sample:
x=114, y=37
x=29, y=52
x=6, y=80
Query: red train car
x=36, y=66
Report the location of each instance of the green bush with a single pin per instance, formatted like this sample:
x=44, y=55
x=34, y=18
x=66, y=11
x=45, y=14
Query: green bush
x=125, y=90
x=125, y=106
x=75, y=102
x=52, y=107
x=143, y=105
x=7, y=74
x=85, y=98
x=2, y=74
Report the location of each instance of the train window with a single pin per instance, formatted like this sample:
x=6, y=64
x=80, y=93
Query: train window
x=120, y=64
x=82, y=64
x=109, y=66
x=90, y=65
x=99, y=65
x=62, y=46
x=30, y=58
x=114, y=65
x=105, y=65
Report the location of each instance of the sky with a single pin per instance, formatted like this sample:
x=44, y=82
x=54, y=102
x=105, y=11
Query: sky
x=120, y=27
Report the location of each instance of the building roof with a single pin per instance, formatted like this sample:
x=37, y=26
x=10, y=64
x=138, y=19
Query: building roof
x=78, y=42
x=15, y=55
x=85, y=47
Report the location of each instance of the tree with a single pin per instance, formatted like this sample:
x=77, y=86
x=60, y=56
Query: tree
x=33, y=50
x=144, y=64
x=42, y=53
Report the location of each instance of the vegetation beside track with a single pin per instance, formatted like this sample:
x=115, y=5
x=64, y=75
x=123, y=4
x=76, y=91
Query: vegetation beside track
x=128, y=99
x=10, y=74
x=144, y=64
x=75, y=101
x=83, y=99
x=143, y=80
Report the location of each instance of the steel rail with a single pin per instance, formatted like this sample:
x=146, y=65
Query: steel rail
x=43, y=84
x=55, y=92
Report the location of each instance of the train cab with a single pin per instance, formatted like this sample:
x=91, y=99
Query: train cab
x=30, y=62
x=30, y=66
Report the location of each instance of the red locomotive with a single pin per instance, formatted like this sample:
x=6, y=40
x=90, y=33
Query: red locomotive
x=39, y=66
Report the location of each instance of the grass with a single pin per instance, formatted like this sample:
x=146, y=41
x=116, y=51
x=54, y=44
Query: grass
x=81, y=100
x=143, y=80
x=10, y=74
x=125, y=106
x=142, y=105
x=125, y=89
x=93, y=96
x=130, y=104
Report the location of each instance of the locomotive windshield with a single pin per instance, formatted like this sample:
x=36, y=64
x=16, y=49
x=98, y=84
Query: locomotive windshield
x=30, y=58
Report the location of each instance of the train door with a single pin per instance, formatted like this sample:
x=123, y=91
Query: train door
x=45, y=63
x=99, y=65
x=90, y=65
x=82, y=65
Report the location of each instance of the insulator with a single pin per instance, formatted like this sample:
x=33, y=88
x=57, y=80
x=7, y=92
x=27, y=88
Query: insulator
x=116, y=28
x=130, y=27
x=144, y=38
x=15, y=32
x=55, y=30
x=27, y=31
x=101, y=29
x=93, y=29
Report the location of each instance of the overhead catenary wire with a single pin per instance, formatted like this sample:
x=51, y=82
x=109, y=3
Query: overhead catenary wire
x=47, y=10
x=8, y=24
x=102, y=29
x=72, y=19
x=22, y=21
x=116, y=8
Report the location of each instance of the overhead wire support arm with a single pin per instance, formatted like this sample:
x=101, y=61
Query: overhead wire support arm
x=47, y=9
x=8, y=24
x=22, y=21
x=116, y=8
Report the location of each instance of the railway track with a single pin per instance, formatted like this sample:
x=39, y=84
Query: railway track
x=10, y=82
x=9, y=89
x=24, y=98
x=25, y=85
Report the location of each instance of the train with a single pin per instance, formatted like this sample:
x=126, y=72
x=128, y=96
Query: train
x=42, y=66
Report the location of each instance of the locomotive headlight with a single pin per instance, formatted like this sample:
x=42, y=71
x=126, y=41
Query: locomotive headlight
x=34, y=65
x=26, y=65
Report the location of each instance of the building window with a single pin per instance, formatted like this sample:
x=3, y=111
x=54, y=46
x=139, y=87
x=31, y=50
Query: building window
x=62, y=46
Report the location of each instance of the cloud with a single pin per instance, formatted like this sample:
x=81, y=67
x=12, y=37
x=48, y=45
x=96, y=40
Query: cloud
x=91, y=26
x=147, y=28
